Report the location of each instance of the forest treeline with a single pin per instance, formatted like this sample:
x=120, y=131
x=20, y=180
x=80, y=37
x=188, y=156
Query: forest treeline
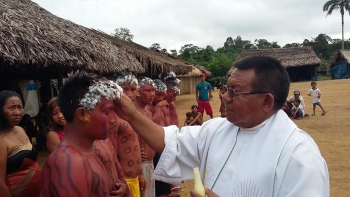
x=219, y=61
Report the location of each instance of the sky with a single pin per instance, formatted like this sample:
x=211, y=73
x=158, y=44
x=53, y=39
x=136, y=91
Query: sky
x=174, y=23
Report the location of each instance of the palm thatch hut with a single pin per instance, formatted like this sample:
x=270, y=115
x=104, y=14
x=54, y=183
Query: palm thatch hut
x=340, y=66
x=36, y=44
x=189, y=81
x=153, y=61
x=300, y=62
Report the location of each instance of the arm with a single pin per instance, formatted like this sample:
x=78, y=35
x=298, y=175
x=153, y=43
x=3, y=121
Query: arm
x=197, y=92
x=198, y=117
x=4, y=190
x=52, y=141
x=127, y=111
x=210, y=95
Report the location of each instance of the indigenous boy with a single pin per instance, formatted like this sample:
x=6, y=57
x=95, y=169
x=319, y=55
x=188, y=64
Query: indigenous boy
x=222, y=106
x=189, y=119
x=125, y=140
x=315, y=94
x=172, y=91
x=297, y=109
x=197, y=116
x=73, y=168
x=160, y=107
x=143, y=102
x=161, y=116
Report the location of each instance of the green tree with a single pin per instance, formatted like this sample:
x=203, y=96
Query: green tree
x=173, y=52
x=155, y=46
x=123, y=33
x=342, y=5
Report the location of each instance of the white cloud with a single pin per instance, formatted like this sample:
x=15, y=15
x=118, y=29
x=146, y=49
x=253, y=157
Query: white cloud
x=174, y=23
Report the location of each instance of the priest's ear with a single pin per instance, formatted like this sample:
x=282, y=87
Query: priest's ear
x=268, y=102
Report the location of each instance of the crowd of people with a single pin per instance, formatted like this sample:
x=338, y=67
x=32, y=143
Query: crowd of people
x=295, y=105
x=120, y=137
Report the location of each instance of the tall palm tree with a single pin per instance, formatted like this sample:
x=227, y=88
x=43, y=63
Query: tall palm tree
x=342, y=5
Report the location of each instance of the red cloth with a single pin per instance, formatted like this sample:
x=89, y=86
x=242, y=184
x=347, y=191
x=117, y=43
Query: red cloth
x=26, y=181
x=205, y=105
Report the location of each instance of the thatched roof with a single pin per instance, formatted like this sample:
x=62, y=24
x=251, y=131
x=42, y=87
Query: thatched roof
x=289, y=57
x=32, y=40
x=340, y=56
x=155, y=60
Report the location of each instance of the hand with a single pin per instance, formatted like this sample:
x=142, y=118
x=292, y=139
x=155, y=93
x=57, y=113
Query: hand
x=208, y=193
x=120, y=189
x=163, y=103
x=142, y=183
x=124, y=107
x=143, y=154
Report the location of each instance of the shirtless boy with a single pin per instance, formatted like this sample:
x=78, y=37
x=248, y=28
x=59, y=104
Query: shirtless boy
x=143, y=102
x=73, y=168
x=125, y=140
x=172, y=91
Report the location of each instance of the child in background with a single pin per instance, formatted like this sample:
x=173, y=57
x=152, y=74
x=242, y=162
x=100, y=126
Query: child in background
x=222, y=106
x=189, y=119
x=297, y=109
x=197, y=116
x=315, y=94
x=57, y=125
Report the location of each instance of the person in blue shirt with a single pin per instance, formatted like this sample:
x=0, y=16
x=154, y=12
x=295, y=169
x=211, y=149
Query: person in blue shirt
x=203, y=95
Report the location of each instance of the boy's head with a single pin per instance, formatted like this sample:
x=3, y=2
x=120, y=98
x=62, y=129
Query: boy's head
x=172, y=90
x=194, y=108
x=313, y=84
x=160, y=91
x=87, y=99
x=189, y=115
x=146, y=90
x=297, y=102
x=128, y=82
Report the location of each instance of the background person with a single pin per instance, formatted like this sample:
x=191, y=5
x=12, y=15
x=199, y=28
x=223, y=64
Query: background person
x=20, y=173
x=203, y=95
x=57, y=124
x=315, y=94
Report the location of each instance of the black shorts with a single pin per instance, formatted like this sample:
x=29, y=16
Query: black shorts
x=161, y=187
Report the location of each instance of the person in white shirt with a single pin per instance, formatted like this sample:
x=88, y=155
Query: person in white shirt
x=315, y=94
x=255, y=151
x=297, y=109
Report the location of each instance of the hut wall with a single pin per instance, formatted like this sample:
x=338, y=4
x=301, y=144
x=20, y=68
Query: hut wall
x=188, y=84
x=301, y=73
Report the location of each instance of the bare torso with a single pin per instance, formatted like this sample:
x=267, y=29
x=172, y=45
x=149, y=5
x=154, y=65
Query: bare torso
x=148, y=150
x=68, y=172
x=126, y=142
x=173, y=114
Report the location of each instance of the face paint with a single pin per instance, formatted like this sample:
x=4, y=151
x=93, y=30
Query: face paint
x=146, y=80
x=105, y=88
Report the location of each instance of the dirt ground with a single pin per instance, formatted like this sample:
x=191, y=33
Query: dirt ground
x=331, y=132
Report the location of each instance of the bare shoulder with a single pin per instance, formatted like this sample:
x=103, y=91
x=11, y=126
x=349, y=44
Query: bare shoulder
x=52, y=134
x=124, y=128
x=64, y=155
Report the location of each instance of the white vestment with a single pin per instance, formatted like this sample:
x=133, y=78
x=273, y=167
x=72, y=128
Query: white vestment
x=280, y=160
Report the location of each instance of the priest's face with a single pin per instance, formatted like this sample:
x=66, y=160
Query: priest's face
x=242, y=109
